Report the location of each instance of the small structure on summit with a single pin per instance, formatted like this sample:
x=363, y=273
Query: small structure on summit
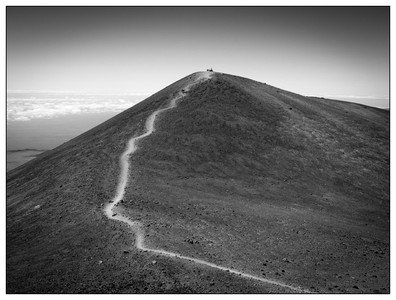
x=210, y=70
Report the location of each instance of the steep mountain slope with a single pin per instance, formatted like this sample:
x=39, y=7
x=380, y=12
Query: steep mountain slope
x=239, y=173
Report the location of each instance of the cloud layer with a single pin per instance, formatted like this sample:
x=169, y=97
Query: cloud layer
x=27, y=106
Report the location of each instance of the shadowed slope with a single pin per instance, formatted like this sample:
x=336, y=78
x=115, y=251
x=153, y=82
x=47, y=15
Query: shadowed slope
x=240, y=174
x=253, y=174
x=60, y=241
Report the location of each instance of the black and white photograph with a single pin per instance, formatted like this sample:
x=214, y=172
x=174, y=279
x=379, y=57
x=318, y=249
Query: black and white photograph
x=197, y=149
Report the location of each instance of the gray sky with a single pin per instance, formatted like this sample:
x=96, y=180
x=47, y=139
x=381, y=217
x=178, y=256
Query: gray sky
x=322, y=51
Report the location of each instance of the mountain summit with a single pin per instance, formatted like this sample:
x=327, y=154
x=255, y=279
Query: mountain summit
x=215, y=184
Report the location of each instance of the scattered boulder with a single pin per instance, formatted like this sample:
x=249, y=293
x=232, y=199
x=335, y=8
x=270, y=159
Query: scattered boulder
x=191, y=241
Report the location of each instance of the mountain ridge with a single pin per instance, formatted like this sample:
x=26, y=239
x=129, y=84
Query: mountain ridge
x=235, y=154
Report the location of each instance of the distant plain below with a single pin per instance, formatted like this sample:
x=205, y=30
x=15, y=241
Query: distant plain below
x=27, y=139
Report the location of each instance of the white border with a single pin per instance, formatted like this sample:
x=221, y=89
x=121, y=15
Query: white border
x=183, y=3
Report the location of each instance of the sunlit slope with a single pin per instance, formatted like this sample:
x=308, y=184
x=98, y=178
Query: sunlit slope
x=244, y=173
x=240, y=173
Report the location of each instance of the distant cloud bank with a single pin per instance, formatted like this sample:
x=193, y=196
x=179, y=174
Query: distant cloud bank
x=25, y=106
x=375, y=101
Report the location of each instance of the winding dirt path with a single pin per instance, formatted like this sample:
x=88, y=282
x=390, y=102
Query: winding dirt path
x=137, y=226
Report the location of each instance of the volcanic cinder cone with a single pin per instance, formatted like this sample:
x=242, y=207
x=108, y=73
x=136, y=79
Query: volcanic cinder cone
x=239, y=174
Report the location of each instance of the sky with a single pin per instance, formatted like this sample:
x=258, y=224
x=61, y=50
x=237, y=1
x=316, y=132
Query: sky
x=334, y=52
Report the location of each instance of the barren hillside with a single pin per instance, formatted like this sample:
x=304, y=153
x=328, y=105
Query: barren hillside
x=240, y=174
